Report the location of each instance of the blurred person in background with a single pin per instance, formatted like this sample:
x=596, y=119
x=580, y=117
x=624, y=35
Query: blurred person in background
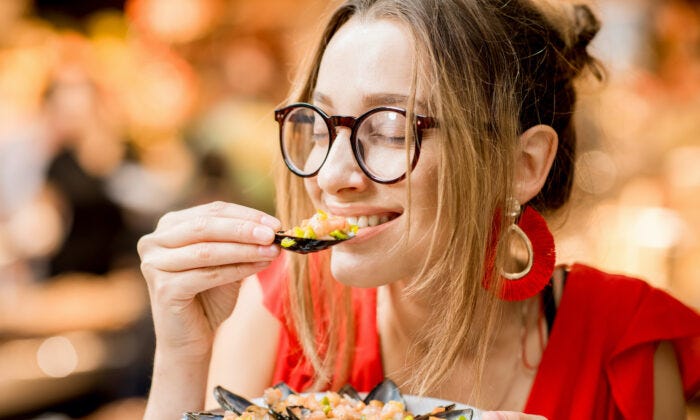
x=487, y=91
x=86, y=147
x=67, y=249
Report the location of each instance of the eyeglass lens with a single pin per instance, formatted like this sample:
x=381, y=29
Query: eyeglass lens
x=380, y=148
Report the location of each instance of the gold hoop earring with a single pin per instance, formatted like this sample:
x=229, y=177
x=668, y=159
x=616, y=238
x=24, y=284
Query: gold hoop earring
x=531, y=227
x=530, y=254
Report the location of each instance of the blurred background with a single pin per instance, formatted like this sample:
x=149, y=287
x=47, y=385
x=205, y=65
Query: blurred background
x=113, y=112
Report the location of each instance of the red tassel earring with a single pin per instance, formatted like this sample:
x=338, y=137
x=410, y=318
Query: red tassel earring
x=532, y=229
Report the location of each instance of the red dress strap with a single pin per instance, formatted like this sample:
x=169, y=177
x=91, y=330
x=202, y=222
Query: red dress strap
x=599, y=359
x=291, y=366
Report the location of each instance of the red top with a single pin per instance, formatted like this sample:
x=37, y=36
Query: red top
x=599, y=358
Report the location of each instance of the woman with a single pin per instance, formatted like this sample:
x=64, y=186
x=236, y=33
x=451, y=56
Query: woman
x=429, y=293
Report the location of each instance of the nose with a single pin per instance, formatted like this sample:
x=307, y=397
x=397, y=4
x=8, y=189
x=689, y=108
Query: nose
x=340, y=172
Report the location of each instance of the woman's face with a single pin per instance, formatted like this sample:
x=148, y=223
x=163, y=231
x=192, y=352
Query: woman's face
x=369, y=63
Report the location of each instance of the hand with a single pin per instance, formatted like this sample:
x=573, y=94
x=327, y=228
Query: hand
x=509, y=415
x=193, y=264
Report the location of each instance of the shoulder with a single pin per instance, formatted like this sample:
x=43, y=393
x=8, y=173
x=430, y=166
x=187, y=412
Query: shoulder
x=603, y=283
x=619, y=293
x=629, y=319
x=622, y=304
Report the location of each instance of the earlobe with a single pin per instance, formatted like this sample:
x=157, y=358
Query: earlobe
x=538, y=147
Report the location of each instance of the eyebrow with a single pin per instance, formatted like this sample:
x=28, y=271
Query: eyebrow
x=373, y=100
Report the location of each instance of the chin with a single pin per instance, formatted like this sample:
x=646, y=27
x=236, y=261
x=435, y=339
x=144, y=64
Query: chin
x=354, y=271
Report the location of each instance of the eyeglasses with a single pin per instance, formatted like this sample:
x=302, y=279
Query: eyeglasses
x=377, y=138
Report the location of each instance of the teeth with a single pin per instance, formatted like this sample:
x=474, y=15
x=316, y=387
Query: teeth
x=365, y=221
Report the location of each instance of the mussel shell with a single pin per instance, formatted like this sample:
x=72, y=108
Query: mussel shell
x=296, y=412
x=428, y=415
x=385, y=391
x=230, y=401
x=350, y=392
x=286, y=390
x=306, y=245
x=234, y=402
x=202, y=416
x=468, y=413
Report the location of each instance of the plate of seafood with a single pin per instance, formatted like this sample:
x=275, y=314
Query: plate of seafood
x=384, y=402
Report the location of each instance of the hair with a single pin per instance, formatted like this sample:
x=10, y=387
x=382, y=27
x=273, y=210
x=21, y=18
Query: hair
x=494, y=69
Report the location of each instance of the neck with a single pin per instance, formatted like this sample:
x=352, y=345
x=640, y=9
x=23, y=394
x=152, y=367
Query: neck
x=402, y=318
x=404, y=315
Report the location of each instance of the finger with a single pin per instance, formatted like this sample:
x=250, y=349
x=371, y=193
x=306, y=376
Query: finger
x=207, y=254
x=219, y=209
x=191, y=282
x=509, y=415
x=203, y=228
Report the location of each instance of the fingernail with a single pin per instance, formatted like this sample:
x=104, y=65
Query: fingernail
x=270, y=221
x=269, y=251
x=263, y=234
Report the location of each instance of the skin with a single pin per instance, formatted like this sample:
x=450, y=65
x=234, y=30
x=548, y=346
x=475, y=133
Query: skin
x=196, y=260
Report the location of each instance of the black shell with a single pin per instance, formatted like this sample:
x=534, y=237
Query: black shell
x=234, y=402
x=286, y=390
x=202, y=416
x=350, y=391
x=385, y=391
x=305, y=245
x=230, y=401
x=468, y=413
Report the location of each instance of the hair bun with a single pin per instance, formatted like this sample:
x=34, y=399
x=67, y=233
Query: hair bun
x=586, y=26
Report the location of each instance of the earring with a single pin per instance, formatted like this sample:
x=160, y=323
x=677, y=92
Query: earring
x=532, y=230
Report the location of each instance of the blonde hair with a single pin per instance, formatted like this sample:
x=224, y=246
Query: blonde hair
x=495, y=68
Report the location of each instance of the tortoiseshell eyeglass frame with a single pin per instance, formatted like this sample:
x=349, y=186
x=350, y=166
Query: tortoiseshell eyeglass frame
x=334, y=121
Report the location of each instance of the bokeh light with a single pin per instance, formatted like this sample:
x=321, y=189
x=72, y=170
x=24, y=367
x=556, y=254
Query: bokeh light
x=57, y=357
x=596, y=172
x=174, y=20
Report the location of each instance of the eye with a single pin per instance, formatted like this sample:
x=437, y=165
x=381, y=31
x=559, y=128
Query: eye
x=378, y=139
x=385, y=129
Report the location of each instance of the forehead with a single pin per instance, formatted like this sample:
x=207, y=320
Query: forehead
x=366, y=58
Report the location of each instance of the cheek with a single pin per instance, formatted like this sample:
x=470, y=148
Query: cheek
x=424, y=186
